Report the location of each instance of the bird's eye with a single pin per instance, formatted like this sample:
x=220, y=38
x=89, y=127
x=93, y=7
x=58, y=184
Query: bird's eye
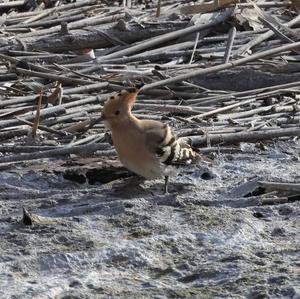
x=117, y=112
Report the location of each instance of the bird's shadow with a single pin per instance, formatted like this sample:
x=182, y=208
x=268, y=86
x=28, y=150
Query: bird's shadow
x=137, y=187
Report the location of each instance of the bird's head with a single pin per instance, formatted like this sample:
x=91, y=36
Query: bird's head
x=118, y=107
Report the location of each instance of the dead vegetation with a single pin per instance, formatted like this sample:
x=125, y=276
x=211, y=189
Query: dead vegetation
x=224, y=74
x=221, y=72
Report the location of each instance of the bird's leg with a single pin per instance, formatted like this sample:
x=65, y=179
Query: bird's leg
x=166, y=184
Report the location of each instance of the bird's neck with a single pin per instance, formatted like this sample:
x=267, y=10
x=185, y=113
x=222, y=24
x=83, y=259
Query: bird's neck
x=129, y=121
x=132, y=119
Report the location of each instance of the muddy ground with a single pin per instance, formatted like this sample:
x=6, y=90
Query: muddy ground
x=121, y=239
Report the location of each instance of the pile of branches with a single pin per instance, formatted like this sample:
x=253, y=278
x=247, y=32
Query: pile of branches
x=220, y=72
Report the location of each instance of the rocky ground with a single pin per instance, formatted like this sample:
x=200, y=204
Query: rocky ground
x=206, y=239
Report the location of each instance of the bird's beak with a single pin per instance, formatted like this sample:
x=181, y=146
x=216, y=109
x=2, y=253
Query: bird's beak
x=94, y=122
x=102, y=117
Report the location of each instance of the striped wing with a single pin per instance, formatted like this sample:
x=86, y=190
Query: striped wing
x=175, y=150
x=170, y=150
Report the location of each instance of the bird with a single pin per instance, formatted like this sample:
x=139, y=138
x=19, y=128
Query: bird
x=148, y=148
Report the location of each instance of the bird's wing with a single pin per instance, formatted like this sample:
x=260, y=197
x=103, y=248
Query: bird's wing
x=170, y=149
x=157, y=135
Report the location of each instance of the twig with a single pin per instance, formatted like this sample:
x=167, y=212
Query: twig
x=158, y=8
x=245, y=136
x=245, y=48
x=63, y=79
x=43, y=128
x=12, y=4
x=232, y=34
x=222, y=109
x=36, y=122
x=76, y=150
x=163, y=38
x=274, y=186
x=25, y=149
x=224, y=66
x=195, y=47
x=52, y=111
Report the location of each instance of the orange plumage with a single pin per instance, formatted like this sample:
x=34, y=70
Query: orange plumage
x=145, y=147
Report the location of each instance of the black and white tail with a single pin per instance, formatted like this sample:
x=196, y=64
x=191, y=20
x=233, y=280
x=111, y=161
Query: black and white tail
x=174, y=150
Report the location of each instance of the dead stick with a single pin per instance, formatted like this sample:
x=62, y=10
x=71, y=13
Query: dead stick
x=246, y=113
x=264, y=37
x=195, y=47
x=222, y=109
x=77, y=150
x=43, y=128
x=31, y=66
x=37, y=116
x=63, y=79
x=89, y=21
x=209, y=7
x=221, y=67
x=265, y=91
x=13, y=133
x=162, y=39
x=65, y=7
x=12, y=4
x=158, y=8
x=25, y=149
x=232, y=34
x=47, y=112
x=245, y=136
x=74, y=90
x=280, y=186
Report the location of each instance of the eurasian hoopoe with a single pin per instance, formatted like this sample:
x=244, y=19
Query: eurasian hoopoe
x=145, y=147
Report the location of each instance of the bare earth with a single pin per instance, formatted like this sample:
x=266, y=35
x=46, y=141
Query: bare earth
x=124, y=240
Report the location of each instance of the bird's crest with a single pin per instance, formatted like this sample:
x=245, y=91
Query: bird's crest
x=118, y=106
x=125, y=97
